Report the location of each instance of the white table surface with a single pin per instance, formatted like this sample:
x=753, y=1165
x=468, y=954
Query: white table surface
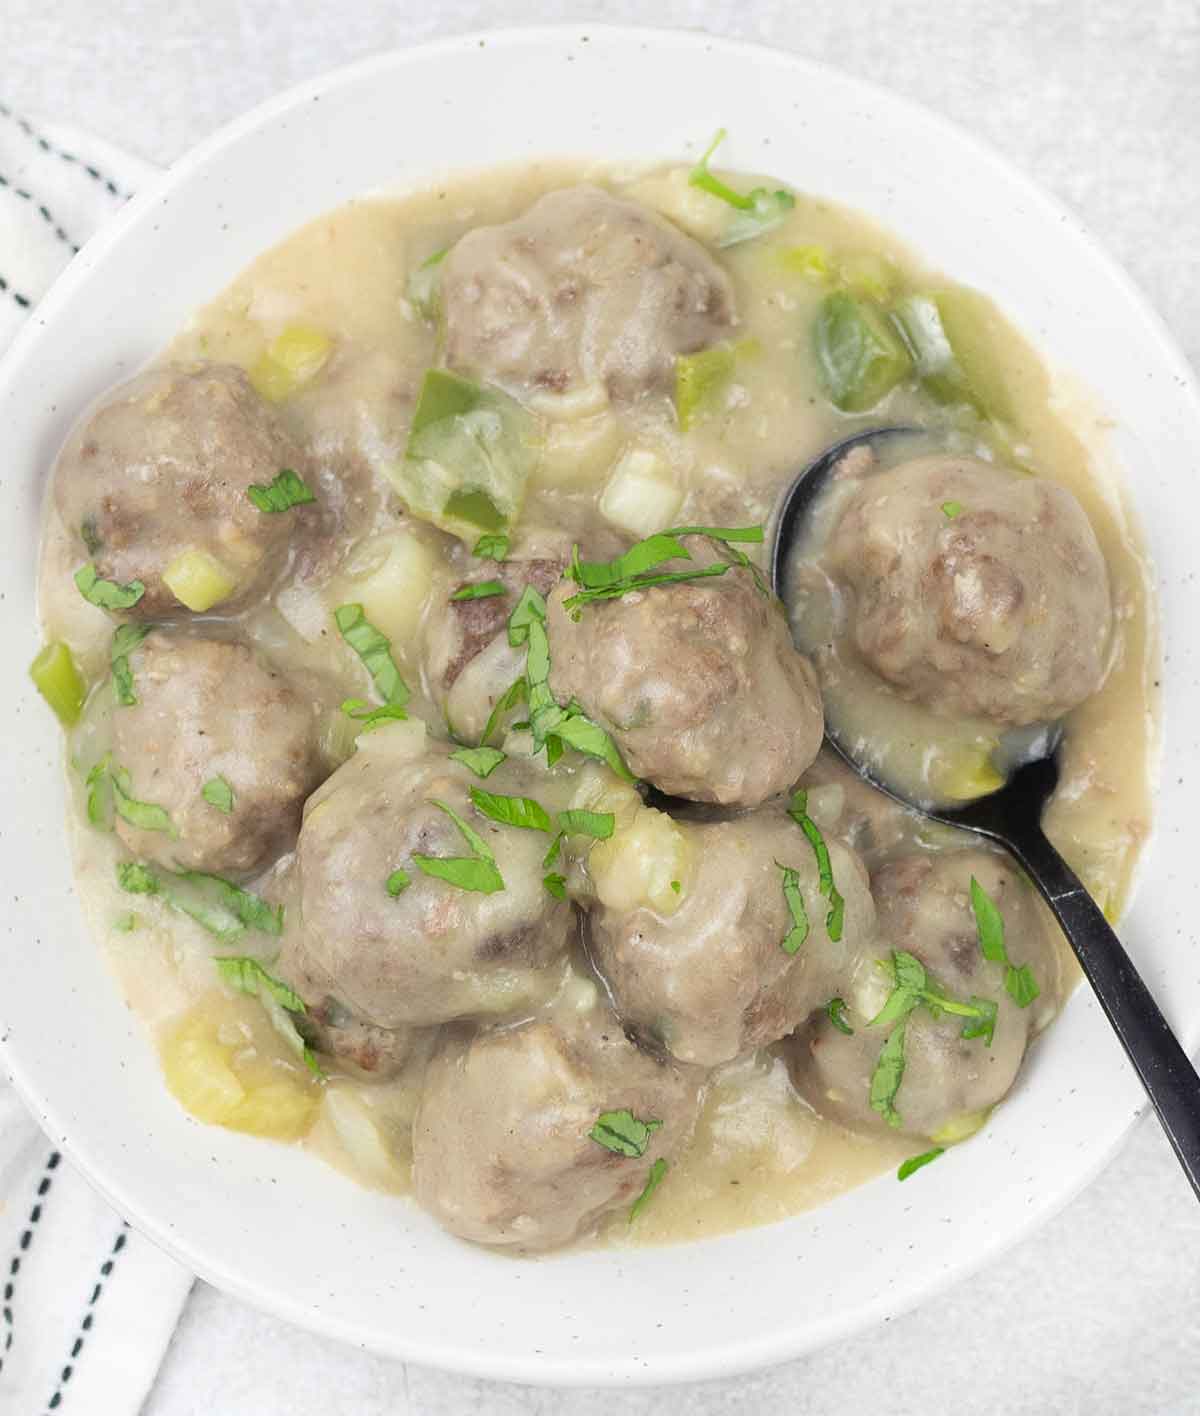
x=1100, y=100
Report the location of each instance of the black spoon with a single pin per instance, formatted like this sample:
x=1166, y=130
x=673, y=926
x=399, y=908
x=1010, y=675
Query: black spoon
x=1012, y=816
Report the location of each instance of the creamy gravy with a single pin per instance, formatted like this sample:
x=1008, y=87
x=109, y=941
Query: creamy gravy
x=759, y=1152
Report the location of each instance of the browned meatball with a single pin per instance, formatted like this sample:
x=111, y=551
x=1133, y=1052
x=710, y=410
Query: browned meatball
x=162, y=467
x=426, y=950
x=974, y=590
x=713, y=979
x=467, y=659
x=502, y=1151
x=225, y=743
x=583, y=288
x=949, y=1082
x=698, y=682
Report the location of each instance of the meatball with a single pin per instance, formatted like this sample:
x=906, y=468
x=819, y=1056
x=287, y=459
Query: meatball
x=698, y=682
x=331, y=1029
x=162, y=467
x=468, y=660
x=949, y=1082
x=502, y=1150
x=225, y=743
x=583, y=288
x=713, y=979
x=974, y=590
x=393, y=944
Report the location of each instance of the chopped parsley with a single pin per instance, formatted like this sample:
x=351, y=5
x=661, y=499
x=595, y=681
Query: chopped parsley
x=653, y=1180
x=477, y=872
x=795, y=937
x=911, y=989
x=225, y=910
x=483, y=761
x=635, y=569
x=798, y=811
x=597, y=824
x=145, y=815
x=951, y=510
x=836, y=1008
x=552, y=726
x=492, y=545
x=511, y=810
x=375, y=651
x=285, y=491
x=888, y=1074
x=247, y=975
x=622, y=1133
x=1019, y=982
x=515, y=693
x=554, y=851
x=916, y=1162
x=397, y=882
x=480, y=590
x=370, y=718
x=107, y=594
x=758, y=211
x=556, y=885
x=217, y=792
x=125, y=640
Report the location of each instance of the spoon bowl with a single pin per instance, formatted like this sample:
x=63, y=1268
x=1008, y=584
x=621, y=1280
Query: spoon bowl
x=1012, y=816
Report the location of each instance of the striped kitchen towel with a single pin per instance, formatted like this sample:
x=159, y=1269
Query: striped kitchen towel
x=89, y=1306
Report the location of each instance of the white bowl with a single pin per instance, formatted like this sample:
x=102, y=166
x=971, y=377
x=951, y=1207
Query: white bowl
x=273, y=1225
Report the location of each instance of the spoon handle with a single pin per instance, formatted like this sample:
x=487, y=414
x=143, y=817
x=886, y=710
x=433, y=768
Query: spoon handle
x=1169, y=1078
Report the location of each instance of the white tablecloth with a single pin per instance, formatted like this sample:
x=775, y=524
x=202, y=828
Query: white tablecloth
x=1100, y=99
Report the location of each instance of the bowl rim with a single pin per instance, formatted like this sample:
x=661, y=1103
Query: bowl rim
x=740, y=1355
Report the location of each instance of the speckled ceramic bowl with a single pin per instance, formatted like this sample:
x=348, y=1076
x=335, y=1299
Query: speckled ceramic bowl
x=272, y=1224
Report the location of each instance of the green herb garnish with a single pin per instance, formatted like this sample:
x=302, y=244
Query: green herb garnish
x=397, y=882
x=653, y=1180
x=556, y=885
x=492, y=545
x=836, y=1008
x=597, y=824
x=125, y=640
x=247, y=975
x=888, y=1074
x=375, y=651
x=423, y=288
x=552, y=726
x=554, y=851
x=759, y=210
x=145, y=815
x=285, y=491
x=483, y=761
x=916, y=1162
x=511, y=810
x=107, y=594
x=217, y=792
x=369, y=718
x=950, y=510
x=622, y=1133
x=795, y=937
x=1020, y=983
x=100, y=794
x=515, y=693
x=798, y=811
x=912, y=988
x=225, y=910
x=480, y=590
x=477, y=872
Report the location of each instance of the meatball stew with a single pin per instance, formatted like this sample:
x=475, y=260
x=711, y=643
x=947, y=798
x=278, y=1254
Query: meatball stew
x=376, y=605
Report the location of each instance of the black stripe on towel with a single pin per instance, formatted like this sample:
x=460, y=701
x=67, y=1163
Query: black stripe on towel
x=85, y=1326
x=6, y=289
x=47, y=146
x=23, y=1247
x=42, y=210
